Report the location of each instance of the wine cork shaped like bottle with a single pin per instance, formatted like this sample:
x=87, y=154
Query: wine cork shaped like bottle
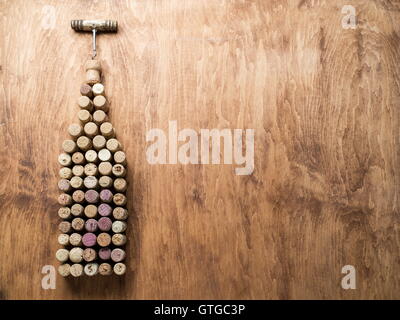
x=69, y=146
x=105, y=253
x=98, y=89
x=84, y=116
x=105, y=168
x=78, y=224
x=89, y=255
x=104, y=224
x=120, y=213
x=78, y=158
x=64, y=212
x=100, y=103
x=64, y=199
x=78, y=196
x=65, y=159
x=64, y=270
x=104, y=210
x=119, y=226
x=62, y=255
x=92, y=196
x=63, y=239
x=93, y=71
x=91, y=129
x=118, y=170
x=106, y=196
x=91, y=182
x=85, y=103
x=76, y=255
x=107, y=130
x=91, y=156
x=91, y=269
x=105, y=269
x=119, y=268
x=91, y=225
x=103, y=239
x=120, y=157
x=76, y=182
x=90, y=211
x=76, y=270
x=77, y=209
x=64, y=185
x=118, y=255
x=75, y=130
x=99, y=142
x=89, y=239
x=75, y=239
x=78, y=170
x=65, y=173
x=120, y=185
x=90, y=169
x=83, y=142
x=105, y=182
x=118, y=239
x=119, y=199
x=65, y=227
x=113, y=145
x=99, y=117
x=86, y=90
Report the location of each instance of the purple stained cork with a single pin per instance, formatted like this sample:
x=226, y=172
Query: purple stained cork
x=117, y=255
x=91, y=225
x=104, y=224
x=104, y=210
x=106, y=195
x=92, y=196
x=89, y=239
x=105, y=253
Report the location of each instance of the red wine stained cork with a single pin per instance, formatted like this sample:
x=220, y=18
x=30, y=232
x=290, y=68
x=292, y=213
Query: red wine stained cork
x=76, y=182
x=119, y=269
x=64, y=185
x=78, y=158
x=105, y=155
x=91, y=225
x=65, y=173
x=76, y=270
x=89, y=255
x=99, y=117
x=64, y=159
x=63, y=239
x=78, y=224
x=104, y=210
x=119, y=199
x=62, y=255
x=99, y=142
x=113, y=145
x=120, y=157
x=103, y=239
x=65, y=227
x=100, y=103
x=75, y=130
x=105, y=168
x=107, y=130
x=64, y=212
x=91, y=156
x=118, y=239
x=119, y=226
x=90, y=211
x=91, y=182
x=105, y=269
x=77, y=210
x=84, y=143
x=91, y=129
x=78, y=196
x=69, y=146
x=106, y=196
x=76, y=255
x=64, y=270
x=98, y=89
x=64, y=199
x=105, y=253
x=89, y=239
x=118, y=255
x=86, y=90
x=93, y=72
x=120, y=185
x=92, y=196
x=120, y=213
x=75, y=239
x=118, y=170
x=85, y=103
x=78, y=170
x=84, y=116
x=104, y=224
x=91, y=269
x=105, y=182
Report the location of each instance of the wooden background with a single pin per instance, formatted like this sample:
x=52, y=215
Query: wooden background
x=324, y=103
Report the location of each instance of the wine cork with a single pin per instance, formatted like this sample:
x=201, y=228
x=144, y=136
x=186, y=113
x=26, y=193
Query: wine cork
x=98, y=89
x=64, y=199
x=91, y=129
x=64, y=185
x=84, y=116
x=120, y=213
x=99, y=117
x=78, y=170
x=64, y=270
x=119, y=226
x=119, y=269
x=104, y=224
x=92, y=64
x=104, y=155
x=75, y=239
x=77, y=209
x=93, y=72
x=113, y=145
x=76, y=270
x=92, y=196
x=85, y=103
x=89, y=239
x=78, y=224
x=91, y=225
x=76, y=182
x=91, y=182
x=107, y=130
x=69, y=146
x=100, y=103
x=86, y=90
x=78, y=158
x=120, y=185
x=106, y=196
x=91, y=156
x=78, y=196
x=84, y=143
x=65, y=173
x=89, y=254
x=120, y=157
x=105, y=269
x=90, y=211
x=63, y=239
x=64, y=212
x=105, y=253
x=64, y=159
x=62, y=255
x=90, y=169
x=105, y=168
x=65, y=227
x=105, y=182
x=91, y=269
x=99, y=142
x=75, y=130
x=104, y=210
x=118, y=170
x=103, y=239
x=118, y=255
x=118, y=239
x=76, y=255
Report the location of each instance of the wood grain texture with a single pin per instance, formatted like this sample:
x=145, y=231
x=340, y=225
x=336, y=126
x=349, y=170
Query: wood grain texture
x=324, y=103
